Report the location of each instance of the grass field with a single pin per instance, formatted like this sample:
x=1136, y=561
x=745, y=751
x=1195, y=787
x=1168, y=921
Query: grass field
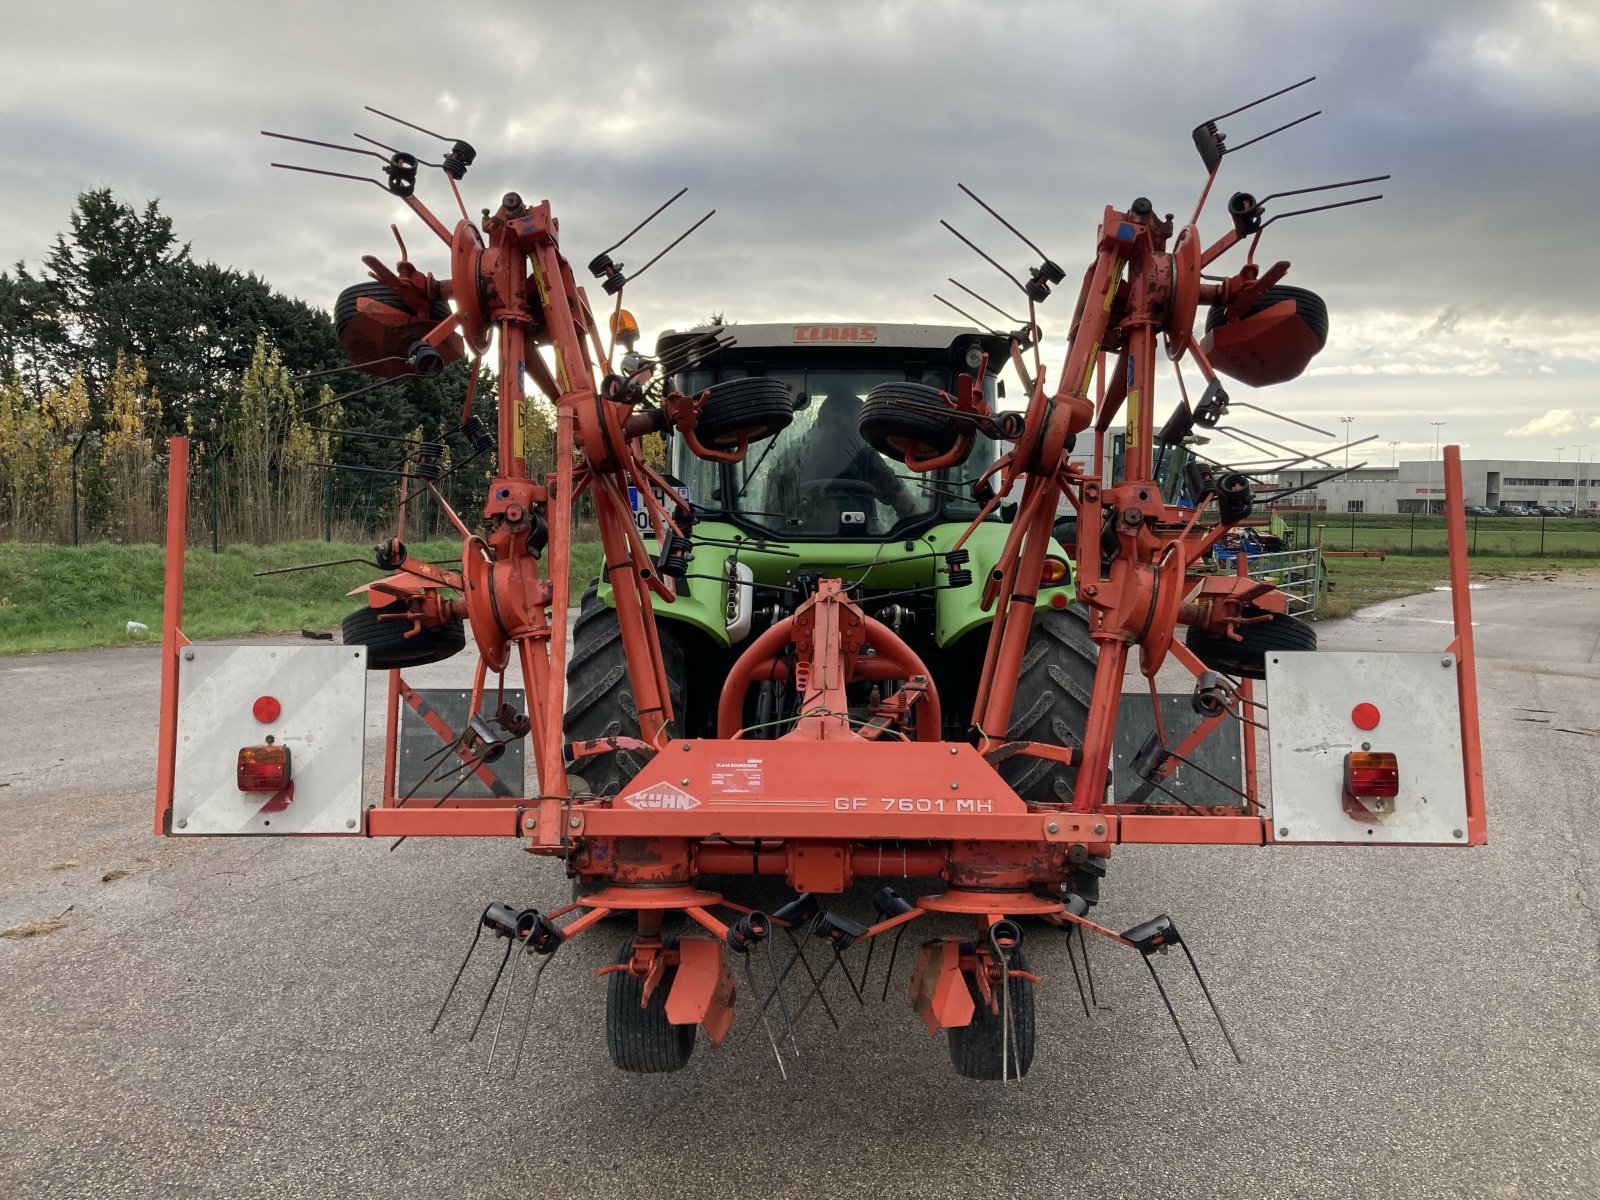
x=1358, y=582
x=66, y=598
x=1518, y=537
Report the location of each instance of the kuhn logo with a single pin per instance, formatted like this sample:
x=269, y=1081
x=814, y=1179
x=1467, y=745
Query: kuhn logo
x=663, y=795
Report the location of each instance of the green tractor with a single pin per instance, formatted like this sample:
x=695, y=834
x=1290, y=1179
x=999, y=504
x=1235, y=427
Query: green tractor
x=829, y=496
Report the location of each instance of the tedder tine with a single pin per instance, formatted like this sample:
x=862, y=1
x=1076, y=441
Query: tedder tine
x=521, y=944
x=527, y=1014
x=477, y=932
x=1159, y=935
x=1215, y=1011
x=490, y=996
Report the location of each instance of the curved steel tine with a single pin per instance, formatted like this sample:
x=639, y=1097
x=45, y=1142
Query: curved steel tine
x=503, y=960
x=477, y=932
x=527, y=1016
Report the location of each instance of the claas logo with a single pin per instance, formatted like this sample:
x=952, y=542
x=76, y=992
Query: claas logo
x=835, y=333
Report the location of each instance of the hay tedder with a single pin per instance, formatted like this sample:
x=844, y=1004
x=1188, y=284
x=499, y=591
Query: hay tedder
x=864, y=632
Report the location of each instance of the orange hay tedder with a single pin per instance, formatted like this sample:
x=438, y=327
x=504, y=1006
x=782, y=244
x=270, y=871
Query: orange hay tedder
x=840, y=750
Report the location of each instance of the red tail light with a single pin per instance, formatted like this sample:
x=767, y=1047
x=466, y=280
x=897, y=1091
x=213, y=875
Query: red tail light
x=1372, y=776
x=263, y=768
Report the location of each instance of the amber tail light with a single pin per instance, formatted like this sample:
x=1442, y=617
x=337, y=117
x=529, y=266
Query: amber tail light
x=263, y=768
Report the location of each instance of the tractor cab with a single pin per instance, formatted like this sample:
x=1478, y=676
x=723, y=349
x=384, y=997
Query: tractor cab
x=821, y=478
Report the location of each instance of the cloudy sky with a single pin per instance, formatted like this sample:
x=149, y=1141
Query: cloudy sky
x=829, y=136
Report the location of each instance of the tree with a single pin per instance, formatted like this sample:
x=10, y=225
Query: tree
x=33, y=335
x=116, y=284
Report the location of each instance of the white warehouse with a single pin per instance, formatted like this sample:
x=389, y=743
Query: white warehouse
x=1498, y=483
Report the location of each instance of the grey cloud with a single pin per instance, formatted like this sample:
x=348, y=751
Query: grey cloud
x=829, y=137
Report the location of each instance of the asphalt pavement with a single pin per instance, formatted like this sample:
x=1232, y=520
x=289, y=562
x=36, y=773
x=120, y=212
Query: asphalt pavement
x=249, y=1017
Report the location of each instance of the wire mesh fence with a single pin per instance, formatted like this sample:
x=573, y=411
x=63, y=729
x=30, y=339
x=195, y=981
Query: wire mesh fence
x=1542, y=535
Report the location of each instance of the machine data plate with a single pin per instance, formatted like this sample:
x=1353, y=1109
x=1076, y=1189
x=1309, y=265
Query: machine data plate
x=1312, y=699
x=321, y=695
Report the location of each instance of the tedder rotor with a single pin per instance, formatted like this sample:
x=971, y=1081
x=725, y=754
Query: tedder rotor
x=825, y=738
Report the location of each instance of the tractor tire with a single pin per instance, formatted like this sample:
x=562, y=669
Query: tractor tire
x=976, y=1049
x=600, y=693
x=388, y=647
x=344, y=309
x=639, y=1036
x=1310, y=307
x=756, y=407
x=912, y=412
x=1051, y=703
x=1247, y=659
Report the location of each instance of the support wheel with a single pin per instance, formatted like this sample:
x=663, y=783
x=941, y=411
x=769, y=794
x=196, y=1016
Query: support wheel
x=907, y=413
x=600, y=700
x=756, y=408
x=975, y=1049
x=641, y=1039
x=1051, y=703
x=387, y=645
x=1247, y=659
x=1308, y=306
x=381, y=342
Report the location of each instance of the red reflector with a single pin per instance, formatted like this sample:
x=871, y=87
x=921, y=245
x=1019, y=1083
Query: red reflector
x=1372, y=776
x=263, y=768
x=1059, y=600
x=266, y=709
x=1365, y=716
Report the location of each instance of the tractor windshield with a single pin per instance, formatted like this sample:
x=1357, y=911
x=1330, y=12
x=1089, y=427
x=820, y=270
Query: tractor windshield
x=819, y=477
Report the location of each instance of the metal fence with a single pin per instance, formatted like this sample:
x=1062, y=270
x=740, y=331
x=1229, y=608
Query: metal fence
x=1539, y=536
x=1295, y=573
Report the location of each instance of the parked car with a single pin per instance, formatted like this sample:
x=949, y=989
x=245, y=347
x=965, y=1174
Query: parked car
x=1481, y=510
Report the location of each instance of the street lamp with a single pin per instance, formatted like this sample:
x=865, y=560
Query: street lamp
x=1394, y=453
x=1577, y=474
x=1437, y=425
x=1559, y=449
x=1347, y=422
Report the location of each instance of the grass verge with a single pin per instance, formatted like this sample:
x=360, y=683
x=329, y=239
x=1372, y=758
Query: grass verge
x=71, y=597
x=1358, y=582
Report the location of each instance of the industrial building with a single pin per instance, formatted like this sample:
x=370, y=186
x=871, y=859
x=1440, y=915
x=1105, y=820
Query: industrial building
x=1418, y=486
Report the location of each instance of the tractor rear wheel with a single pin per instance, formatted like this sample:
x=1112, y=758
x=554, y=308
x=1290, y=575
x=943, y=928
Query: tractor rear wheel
x=976, y=1050
x=383, y=632
x=600, y=699
x=1051, y=703
x=1247, y=658
x=638, y=1034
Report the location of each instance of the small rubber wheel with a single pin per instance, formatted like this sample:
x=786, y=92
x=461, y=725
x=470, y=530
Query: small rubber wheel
x=387, y=644
x=641, y=1039
x=909, y=412
x=1310, y=307
x=1247, y=659
x=345, y=309
x=976, y=1049
x=755, y=408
